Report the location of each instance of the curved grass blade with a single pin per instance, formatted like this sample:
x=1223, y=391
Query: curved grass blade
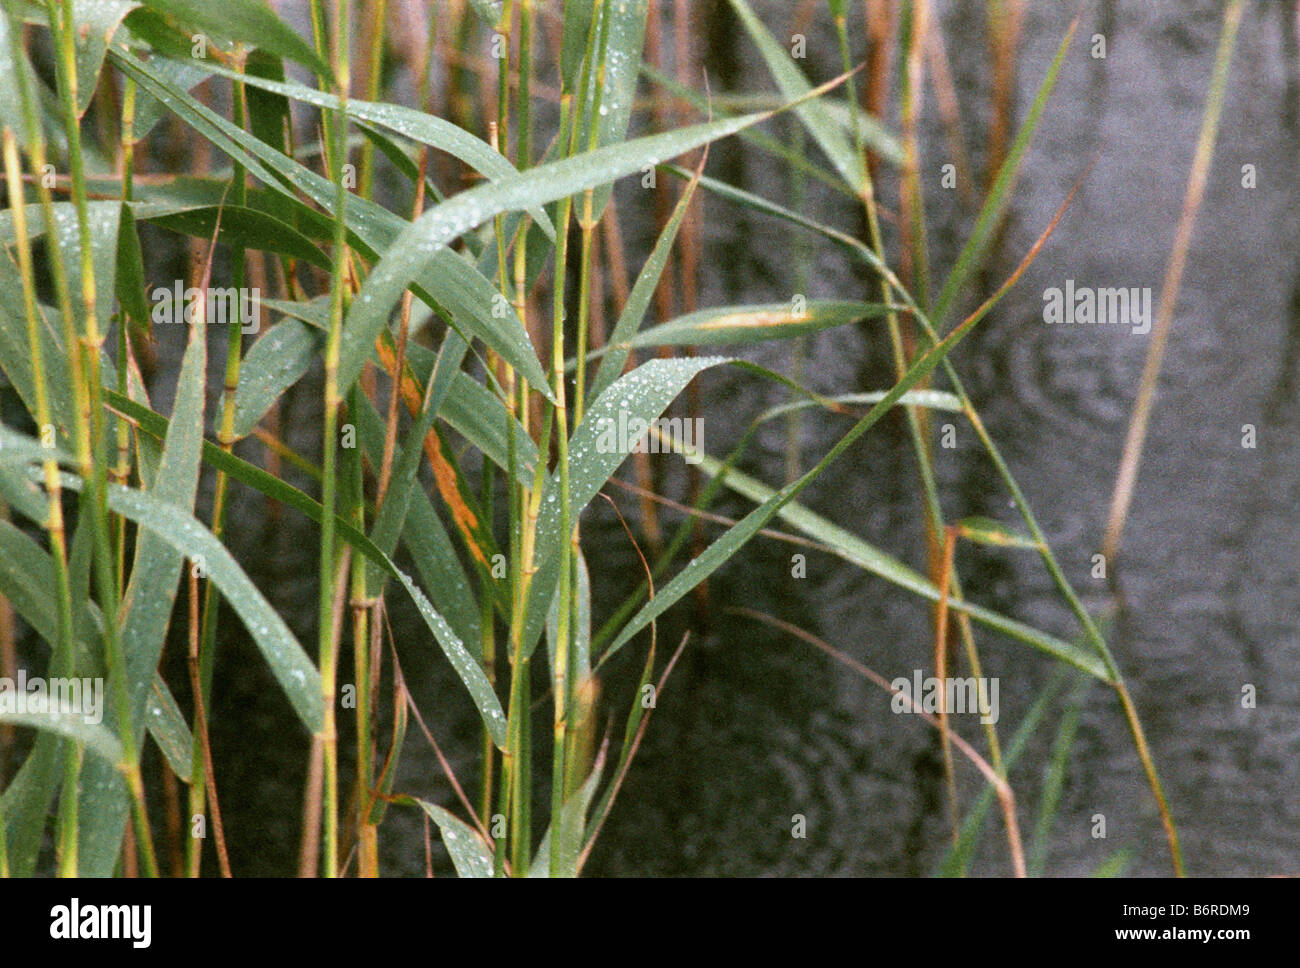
x=641, y=395
x=11, y=110
x=275, y=362
x=26, y=576
x=988, y=532
x=426, y=129
x=730, y=542
x=867, y=556
x=766, y=206
x=419, y=242
x=182, y=532
x=240, y=226
x=27, y=581
x=185, y=75
x=249, y=21
x=285, y=656
x=792, y=156
x=930, y=399
x=819, y=122
x=859, y=250
x=466, y=666
x=168, y=727
x=472, y=676
x=743, y=325
x=94, y=23
x=464, y=296
x=468, y=852
x=1096, y=640
x=70, y=724
x=875, y=136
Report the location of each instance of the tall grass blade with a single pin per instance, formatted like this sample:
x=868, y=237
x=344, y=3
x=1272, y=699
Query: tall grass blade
x=146, y=609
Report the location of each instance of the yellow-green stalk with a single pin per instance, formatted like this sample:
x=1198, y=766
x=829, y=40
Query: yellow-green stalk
x=64, y=652
x=91, y=440
x=378, y=16
x=587, y=221
x=367, y=833
x=337, y=154
x=67, y=817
